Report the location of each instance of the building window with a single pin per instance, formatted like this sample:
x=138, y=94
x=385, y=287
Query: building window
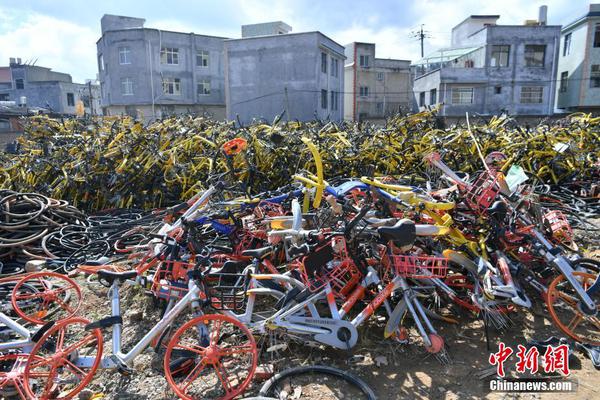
x=324, y=63
x=597, y=36
x=380, y=76
x=70, y=100
x=567, y=45
x=171, y=86
x=126, y=87
x=532, y=94
x=433, y=96
x=4, y=97
x=595, y=76
x=4, y=125
x=101, y=62
x=462, y=95
x=363, y=91
x=534, y=55
x=169, y=55
x=335, y=65
x=421, y=99
x=203, y=88
x=19, y=84
x=202, y=58
x=124, y=55
x=497, y=89
x=364, y=61
x=564, y=76
x=500, y=56
x=380, y=108
x=324, y=99
x=334, y=100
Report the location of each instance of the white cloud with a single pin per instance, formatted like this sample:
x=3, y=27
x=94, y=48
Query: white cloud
x=439, y=17
x=61, y=45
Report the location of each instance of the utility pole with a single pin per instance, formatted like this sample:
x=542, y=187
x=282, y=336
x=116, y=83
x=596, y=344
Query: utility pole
x=421, y=35
x=287, y=104
x=91, y=98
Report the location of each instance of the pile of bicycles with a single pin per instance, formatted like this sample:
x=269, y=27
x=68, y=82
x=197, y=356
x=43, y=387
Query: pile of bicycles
x=118, y=162
x=309, y=262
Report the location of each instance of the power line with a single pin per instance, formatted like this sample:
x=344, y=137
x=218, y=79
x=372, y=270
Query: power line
x=420, y=35
x=477, y=85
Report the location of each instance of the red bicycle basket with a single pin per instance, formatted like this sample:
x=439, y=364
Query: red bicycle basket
x=559, y=226
x=170, y=280
x=483, y=192
x=330, y=264
x=419, y=267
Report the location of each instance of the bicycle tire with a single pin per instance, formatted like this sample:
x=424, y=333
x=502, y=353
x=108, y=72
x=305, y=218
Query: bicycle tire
x=323, y=369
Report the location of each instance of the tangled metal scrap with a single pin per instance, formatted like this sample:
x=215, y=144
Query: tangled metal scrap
x=263, y=247
x=118, y=162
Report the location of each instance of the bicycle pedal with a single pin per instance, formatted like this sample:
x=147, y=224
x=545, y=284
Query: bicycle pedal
x=122, y=368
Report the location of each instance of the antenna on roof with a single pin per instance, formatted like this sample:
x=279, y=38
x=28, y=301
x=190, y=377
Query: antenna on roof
x=420, y=35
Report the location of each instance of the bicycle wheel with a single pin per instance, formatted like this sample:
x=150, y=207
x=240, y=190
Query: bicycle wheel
x=57, y=367
x=212, y=356
x=562, y=301
x=309, y=382
x=12, y=370
x=58, y=297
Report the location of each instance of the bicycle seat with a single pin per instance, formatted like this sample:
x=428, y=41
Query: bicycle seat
x=232, y=267
x=259, y=253
x=403, y=233
x=111, y=276
x=499, y=210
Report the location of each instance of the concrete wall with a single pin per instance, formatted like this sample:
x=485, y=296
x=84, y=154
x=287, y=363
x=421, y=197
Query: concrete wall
x=386, y=97
x=146, y=71
x=115, y=22
x=462, y=34
x=50, y=94
x=573, y=63
x=510, y=79
x=260, y=69
x=265, y=29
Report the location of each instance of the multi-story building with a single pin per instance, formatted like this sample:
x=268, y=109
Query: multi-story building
x=375, y=88
x=32, y=86
x=297, y=75
x=578, y=87
x=490, y=69
x=151, y=73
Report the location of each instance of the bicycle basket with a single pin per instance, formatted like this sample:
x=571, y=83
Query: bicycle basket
x=483, y=192
x=170, y=280
x=331, y=264
x=558, y=225
x=230, y=291
x=418, y=267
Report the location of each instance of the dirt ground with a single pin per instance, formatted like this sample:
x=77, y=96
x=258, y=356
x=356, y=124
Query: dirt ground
x=410, y=373
x=393, y=370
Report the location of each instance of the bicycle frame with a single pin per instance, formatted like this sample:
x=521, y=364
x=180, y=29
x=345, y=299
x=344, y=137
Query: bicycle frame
x=331, y=330
x=20, y=330
x=118, y=358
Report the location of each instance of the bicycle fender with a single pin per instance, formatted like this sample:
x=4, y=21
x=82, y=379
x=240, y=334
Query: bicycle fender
x=394, y=319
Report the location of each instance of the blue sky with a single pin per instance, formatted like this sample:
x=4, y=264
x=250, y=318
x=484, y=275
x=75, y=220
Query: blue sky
x=61, y=34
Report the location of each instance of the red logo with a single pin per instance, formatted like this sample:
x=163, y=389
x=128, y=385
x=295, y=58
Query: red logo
x=556, y=358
